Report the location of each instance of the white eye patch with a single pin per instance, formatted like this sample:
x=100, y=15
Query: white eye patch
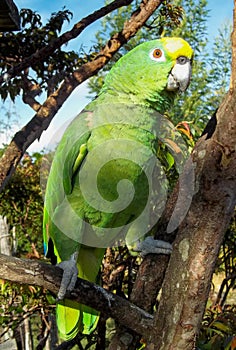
x=157, y=55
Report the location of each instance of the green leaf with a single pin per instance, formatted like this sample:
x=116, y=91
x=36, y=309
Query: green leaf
x=170, y=160
x=221, y=326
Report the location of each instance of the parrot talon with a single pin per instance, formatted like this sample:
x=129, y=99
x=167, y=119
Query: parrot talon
x=153, y=246
x=70, y=273
x=106, y=295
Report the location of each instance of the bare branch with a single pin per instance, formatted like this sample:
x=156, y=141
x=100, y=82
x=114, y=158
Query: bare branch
x=30, y=91
x=33, y=130
x=33, y=272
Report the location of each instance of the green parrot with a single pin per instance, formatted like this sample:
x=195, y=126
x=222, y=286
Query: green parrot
x=106, y=185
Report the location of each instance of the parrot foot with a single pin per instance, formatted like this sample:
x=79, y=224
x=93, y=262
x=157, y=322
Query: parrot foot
x=106, y=295
x=153, y=246
x=70, y=274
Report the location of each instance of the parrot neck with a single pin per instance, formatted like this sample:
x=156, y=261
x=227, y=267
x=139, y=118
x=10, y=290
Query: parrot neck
x=162, y=101
x=159, y=102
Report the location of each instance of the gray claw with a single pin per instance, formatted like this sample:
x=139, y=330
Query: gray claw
x=70, y=274
x=153, y=246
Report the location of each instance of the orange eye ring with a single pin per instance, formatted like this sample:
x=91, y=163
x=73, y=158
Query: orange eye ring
x=157, y=53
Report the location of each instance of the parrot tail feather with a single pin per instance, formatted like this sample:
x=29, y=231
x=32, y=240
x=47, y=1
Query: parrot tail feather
x=73, y=318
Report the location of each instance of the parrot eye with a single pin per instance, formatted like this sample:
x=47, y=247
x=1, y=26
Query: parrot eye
x=157, y=55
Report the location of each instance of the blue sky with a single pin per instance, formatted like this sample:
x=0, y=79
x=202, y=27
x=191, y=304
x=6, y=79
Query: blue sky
x=219, y=14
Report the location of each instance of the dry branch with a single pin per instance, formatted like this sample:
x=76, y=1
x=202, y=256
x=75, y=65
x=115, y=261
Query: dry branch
x=33, y=130
x=33, y=272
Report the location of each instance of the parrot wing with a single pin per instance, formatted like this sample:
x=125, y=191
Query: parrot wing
x=71, y=316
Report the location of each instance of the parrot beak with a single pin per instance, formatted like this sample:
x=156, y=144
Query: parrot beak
x=179, y=77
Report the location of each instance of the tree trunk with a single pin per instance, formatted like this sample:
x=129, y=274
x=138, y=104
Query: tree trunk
x=188, y=277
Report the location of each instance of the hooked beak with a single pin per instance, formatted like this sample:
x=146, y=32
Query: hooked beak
x=179, y=77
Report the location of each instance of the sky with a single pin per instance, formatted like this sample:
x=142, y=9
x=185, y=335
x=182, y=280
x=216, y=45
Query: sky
x=220, y=12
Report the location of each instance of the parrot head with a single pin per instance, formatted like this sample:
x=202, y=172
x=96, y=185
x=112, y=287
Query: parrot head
x=153, y=72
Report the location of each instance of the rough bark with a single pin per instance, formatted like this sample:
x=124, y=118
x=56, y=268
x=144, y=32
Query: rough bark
x=188, y=277
x=40, y=122
x=33, y=272
x=148, y=283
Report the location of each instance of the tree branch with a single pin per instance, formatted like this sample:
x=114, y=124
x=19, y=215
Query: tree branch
x=33, y=130
x=33, y=272
x=64, y=38
x=30, y=91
